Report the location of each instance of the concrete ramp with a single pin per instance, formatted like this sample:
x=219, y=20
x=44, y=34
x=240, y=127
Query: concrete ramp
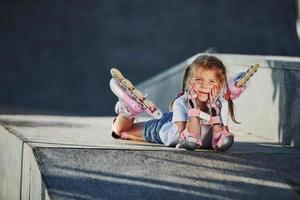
x=55, y=157
x=52, y=157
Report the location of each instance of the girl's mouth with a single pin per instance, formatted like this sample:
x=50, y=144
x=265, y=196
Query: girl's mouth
x=202, y=96
x=203, y=93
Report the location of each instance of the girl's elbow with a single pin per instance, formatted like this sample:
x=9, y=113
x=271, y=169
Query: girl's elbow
x=180, y=126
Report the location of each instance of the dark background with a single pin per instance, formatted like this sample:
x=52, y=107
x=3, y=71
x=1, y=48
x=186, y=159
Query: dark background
x=56, y=55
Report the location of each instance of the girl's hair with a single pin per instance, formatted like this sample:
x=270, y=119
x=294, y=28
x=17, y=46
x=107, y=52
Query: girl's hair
x=207, y=62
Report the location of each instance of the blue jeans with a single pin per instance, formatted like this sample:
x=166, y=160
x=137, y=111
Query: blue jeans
x=152, y=127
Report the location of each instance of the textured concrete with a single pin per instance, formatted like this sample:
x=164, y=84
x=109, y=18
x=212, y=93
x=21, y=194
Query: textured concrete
x=75, y=158
x=107, y=174
x=270, y=105
x=55, y=55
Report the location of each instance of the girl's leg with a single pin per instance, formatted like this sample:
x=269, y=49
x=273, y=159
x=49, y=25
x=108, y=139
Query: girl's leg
x=126, y=108
x=127, y=129
x=134, y=133
x=122, y=124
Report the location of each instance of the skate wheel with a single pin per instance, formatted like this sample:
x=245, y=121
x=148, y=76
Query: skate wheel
x=127, y=84
x=157, y=114
x=116, y=74
x=138, y=94
x=149, y=104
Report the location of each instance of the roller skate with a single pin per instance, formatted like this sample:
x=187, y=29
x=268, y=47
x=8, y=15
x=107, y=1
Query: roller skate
x=132, y=100
x=247, y=75
x=237, y=85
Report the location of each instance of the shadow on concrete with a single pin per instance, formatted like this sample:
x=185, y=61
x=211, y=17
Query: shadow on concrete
x=262, y=147
x=110, y=174
x=286, y=87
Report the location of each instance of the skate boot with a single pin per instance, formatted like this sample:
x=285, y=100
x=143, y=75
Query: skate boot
x=126, y=106
x=237, y=84
x=134, y=99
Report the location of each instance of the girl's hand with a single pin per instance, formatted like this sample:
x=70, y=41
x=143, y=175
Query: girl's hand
x=192, y=97
x=213, y=94
x=213, y=104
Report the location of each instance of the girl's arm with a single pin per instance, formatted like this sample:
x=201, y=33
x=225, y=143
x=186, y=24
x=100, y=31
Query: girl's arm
x=218, y=127
x=192, y=126
x=180, y=126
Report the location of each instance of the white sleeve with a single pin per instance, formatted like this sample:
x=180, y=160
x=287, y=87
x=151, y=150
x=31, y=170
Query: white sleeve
x=180, y=112
x=169, y=134
x=224, y=112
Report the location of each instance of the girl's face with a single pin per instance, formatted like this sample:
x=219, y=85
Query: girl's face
x=205, y=82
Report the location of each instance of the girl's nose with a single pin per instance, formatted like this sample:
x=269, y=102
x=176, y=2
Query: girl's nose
x=205, y=85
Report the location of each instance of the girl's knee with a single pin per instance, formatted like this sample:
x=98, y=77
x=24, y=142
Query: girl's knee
x=119, y=135
x=228, y=142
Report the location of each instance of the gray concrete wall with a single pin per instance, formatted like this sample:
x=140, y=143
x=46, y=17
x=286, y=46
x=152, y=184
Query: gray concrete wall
x=19, y=171
x=55, y=56
x=270, y=105
x=11, y=165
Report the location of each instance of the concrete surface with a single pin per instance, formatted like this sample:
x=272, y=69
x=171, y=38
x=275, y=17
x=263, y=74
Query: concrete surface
x=110, y=174
x=270, y=105
x=94, y=132
x=77, y=159
x=11, y=165
x=19, y=172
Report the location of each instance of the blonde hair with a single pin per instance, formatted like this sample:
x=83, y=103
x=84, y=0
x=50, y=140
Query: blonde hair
x=207, y=62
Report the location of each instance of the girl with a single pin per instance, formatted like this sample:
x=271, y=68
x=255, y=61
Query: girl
x=200, y=114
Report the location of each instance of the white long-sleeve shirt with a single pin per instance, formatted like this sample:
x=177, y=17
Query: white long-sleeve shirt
x=169, y=133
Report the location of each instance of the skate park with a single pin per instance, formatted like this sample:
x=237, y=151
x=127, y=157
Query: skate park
x=66, y=154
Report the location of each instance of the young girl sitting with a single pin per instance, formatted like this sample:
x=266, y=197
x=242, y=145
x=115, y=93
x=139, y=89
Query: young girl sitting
x=200, y=115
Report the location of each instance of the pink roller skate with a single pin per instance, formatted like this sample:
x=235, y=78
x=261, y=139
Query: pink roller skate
x=132, y=101
x=126, y=106
x=237, y=84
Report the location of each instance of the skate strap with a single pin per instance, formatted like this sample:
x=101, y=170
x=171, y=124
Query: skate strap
x=186, y=136
x=215, y=120
x=218, y=138
x=193, y=112
x=216, y=106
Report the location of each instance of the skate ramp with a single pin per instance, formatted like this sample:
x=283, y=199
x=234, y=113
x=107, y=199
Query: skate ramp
x=269, y=107
x=53, y=157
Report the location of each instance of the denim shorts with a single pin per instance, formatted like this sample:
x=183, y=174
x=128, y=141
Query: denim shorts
x=152, y=127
